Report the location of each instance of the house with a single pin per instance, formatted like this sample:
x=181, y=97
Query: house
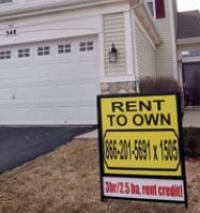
x=57, y=55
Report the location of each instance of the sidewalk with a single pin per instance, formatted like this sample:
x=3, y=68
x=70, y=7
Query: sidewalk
x=90, y=135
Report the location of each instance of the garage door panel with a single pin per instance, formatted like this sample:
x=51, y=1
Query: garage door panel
x=6, y=95
x=42, y=82
x=88, y=80
x=37, y=74
x=33, y=116
x=63, y=115
x=44, y=93
x=44, y=103
x=44, y=72
x=85, y=111
x=46, y=84
x=87, y=91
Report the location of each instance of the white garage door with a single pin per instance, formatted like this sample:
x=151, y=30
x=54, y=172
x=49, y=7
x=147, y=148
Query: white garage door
x=49, y=82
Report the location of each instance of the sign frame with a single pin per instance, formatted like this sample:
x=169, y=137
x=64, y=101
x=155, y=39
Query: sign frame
x=180, y=145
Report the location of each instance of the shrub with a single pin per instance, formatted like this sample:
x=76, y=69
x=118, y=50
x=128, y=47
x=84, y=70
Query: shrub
x=161, y=85
x=150, y=85
x=192, y=141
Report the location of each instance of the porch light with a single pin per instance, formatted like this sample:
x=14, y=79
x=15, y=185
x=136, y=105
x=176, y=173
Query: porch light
x=113, y=54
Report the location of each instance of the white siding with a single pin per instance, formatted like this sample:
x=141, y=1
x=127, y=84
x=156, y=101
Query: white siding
x=145, y=55
x=114, y=32
x=165, y=57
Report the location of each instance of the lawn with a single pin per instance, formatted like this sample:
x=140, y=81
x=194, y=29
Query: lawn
x=67, y=181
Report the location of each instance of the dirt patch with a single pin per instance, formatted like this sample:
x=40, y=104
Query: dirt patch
x=67, y=181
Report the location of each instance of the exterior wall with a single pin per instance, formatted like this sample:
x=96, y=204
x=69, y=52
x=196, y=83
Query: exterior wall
x=118, y=87
x=145, y=54
x=114, y=33
x=166, y=53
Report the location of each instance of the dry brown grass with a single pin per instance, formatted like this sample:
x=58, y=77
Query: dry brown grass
x=67, y=181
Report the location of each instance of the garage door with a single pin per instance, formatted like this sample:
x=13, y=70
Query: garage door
x=49, y=82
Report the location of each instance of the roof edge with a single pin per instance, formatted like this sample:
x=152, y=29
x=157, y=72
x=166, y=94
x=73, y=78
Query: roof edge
x=52, y=7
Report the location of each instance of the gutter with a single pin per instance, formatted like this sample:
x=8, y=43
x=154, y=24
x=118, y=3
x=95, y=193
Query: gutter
x=17, y=11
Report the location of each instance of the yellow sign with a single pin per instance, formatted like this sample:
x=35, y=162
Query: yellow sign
x=140, y=135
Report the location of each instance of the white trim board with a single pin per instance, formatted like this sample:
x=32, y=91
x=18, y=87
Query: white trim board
x=113, y=79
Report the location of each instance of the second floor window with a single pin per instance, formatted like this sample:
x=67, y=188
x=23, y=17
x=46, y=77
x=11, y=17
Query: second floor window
x=151, y=6
x=156, y=8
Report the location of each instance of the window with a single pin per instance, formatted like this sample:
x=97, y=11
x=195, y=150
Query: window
x=160, y=9
x=64, y=48
x=5, y=1
x=43, y=50
x=82, y=46
x=5, y=55
x=23, y=53
x=150, y=4
x=90, y=45
x=190, y=53
x=191, y=83
x=86, y=46
x=156, y=8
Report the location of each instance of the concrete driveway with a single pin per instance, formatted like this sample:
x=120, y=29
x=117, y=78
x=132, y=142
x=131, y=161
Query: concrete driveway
x=21, y=144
